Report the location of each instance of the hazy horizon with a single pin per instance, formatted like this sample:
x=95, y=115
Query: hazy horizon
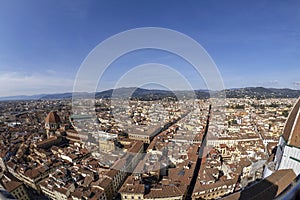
x=163, y=89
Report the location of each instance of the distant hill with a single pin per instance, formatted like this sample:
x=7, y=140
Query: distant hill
x=154, y=94
x=136, y=93
x=261, y=92
x=151, y=94
x=57, y=96
x=22, y=97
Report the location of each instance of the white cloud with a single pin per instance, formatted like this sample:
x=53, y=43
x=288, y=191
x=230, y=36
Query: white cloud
x=18, y=83
x=296, y=83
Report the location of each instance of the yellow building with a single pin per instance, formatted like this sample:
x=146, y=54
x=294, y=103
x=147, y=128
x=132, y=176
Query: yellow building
x=106, y=145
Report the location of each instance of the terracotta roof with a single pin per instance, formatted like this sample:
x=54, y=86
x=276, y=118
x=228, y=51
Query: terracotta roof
x=12, y=185
x=136, y=147
x=32, y=173
x=164, y=192
x=87, y=181
x=9, y=182
x=267, y=188
x=132, y=187
x=291, y=132
x=105, y=183
x=112, y=173
x=48, y=140
x=77, y=193
x=52, y=117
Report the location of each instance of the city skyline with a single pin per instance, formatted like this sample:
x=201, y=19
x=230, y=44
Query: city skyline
x=44, y=43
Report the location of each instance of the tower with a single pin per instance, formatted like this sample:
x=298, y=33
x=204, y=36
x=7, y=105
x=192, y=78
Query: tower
x=52, y=123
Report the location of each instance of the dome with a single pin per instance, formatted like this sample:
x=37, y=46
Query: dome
x=52, y=118
x=291, y=132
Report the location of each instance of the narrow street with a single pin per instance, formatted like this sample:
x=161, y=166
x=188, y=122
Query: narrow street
x=261, y=137
x=199, y=160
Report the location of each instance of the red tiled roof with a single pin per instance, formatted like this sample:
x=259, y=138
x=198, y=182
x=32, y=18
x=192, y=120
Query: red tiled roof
x=291, y=132
x=52, y=117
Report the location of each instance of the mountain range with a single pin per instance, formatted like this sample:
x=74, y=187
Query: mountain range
x=153, y=94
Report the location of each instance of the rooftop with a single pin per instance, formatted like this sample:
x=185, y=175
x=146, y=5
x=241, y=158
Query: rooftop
x=291, y=132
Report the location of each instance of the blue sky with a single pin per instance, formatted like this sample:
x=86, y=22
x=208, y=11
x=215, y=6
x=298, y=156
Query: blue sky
x=43, y=43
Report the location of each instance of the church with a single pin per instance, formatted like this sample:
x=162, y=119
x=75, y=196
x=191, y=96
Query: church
x=288, y=149
x=52, y=124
